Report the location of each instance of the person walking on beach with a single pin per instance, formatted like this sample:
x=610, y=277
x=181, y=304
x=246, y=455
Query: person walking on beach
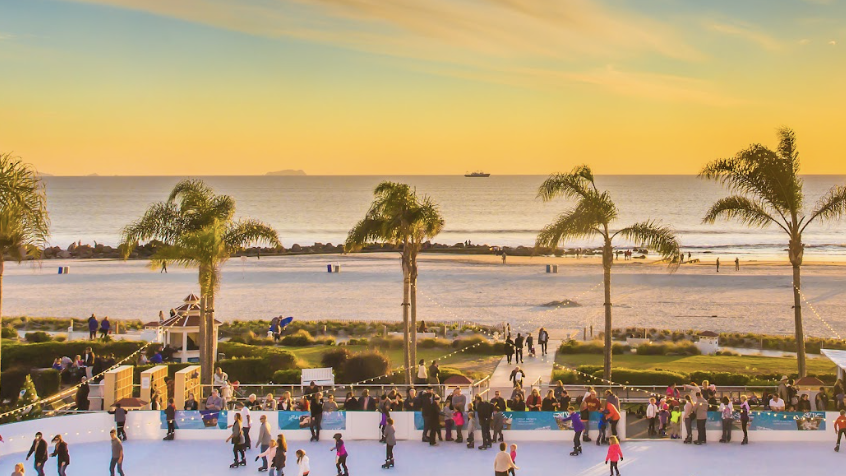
x=543, y=340
x=509, y=348
x=92, y=327
x=60, y=452
x=117, y=454
x=718, y=265
x=518, y=349
x=390, y=442
x=615, y=455
x=503, y=462
x=737, y=264
x=164, y=268
x=39, y=449
x=340, y=455
x=504, y=256
x=530, y=344
x=120, y=420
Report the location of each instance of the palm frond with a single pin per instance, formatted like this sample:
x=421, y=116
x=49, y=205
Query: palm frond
x=22, y=192
x=745, y=210
x=248, y=231
x=832, y=206
x=655, y=237
x=577, y=183
x=192, y=190
x=426, y=220
x=576, y=223
x=162, y=221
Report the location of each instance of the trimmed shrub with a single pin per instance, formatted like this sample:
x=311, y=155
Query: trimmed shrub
x=386, y=342
x=287, y=376
x=41, y=355
x=644, y=377
x=301, y=338
x=247, y=370
x=274, y=358
x=37, y=336
x=46, y=382
x=433, y=343
x=354, y=341
x=719, y=378
x=365, y=365
x=590, y=347
x=327, y=340
x=567, y=377
x=335, y=358
x=8, y=333
x=681, y=348
x=447, y=372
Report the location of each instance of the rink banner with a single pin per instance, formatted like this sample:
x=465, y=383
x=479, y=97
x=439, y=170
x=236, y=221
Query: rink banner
x=773, y=421
x=528, y=421
x=198, y=420
x=302, y=420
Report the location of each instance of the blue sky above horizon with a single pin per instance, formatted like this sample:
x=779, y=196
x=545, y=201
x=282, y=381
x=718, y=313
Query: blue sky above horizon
x=416, y=86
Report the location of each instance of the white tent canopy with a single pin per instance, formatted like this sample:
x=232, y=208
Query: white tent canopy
x=839, y=359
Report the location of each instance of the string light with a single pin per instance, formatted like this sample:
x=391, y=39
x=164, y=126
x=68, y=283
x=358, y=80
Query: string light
x=811, y=306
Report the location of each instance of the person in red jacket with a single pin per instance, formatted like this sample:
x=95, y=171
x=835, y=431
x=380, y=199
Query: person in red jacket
x=840, y=428
x=615, y=454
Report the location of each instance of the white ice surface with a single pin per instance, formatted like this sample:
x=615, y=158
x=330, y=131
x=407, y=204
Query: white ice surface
x=415, y=458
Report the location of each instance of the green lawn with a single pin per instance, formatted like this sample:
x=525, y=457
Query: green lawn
x=471, y=364
x=750, y=365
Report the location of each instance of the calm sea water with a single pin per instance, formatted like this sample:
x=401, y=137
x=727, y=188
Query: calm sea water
x=499, y=210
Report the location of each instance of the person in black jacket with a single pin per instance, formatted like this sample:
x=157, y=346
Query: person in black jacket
x=518, y=349
x=316, y=408
x=60, y=452
x=485, y=411
x=39, y=448
x=432, y=416
x=366, y=403
x=82, y=403
x=498, y=402
x=170, y=416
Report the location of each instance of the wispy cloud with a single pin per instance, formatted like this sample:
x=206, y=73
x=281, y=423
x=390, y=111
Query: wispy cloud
x=6, y=36
x=485, y=39
x=747, y=32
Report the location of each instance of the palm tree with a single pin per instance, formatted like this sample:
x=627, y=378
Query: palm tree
x=398, y=216
x=197, y=230
x=24, y=223
x=767, y=191
x=593, y=216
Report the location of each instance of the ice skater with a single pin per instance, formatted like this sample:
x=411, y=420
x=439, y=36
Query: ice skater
x=615, y=455
x=341, y=455
x=39, y=449
x=578, y=427
x=60, y=452
x=840, y=428
x=237, y=439
x=390, y=442
x=302, y=463
x=117, y=454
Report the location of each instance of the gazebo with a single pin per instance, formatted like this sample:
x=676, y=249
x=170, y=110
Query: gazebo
x=709, y=342
x=182, y=331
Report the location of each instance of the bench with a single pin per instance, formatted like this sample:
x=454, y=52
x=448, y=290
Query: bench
x=322, y=377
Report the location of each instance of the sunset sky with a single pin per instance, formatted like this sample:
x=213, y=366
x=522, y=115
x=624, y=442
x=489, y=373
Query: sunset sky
x=210, y=87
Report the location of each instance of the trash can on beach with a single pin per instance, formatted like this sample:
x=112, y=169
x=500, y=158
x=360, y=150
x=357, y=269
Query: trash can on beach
x=549, y=268
x=328, y=268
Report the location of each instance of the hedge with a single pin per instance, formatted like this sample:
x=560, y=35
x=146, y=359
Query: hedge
x=247, y=370
x=590, y=347
x=37, y=336
x=681, y=348
x=365, y=365
x=644, y=377
x=300, y=338
x=46, y=383
x=287, y=376
x=8, y=333
x=275, y=358
x=41, y=355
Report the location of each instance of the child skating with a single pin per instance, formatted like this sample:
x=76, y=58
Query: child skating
x=390, y=441
x=615, y=455
x=511, y=471
x=340, y=455
x=578, y=428
x=471, y=427
x=840, y=428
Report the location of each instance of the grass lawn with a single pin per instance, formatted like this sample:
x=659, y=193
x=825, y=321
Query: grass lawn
x=750, y=364
x=471, y=364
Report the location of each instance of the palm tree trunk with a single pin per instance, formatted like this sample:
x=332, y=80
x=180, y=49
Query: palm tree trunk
x=2, y=269
x=607, y=256
x=202, y=341
x=406, y=290
x=797, y=317
x=413, y=325
x=208, y=363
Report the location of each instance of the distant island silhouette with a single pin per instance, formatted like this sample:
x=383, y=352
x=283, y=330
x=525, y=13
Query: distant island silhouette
x=287, y=172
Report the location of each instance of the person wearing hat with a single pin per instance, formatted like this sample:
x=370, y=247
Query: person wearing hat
x=60, y=452
x=340, y=455
x=39, y=448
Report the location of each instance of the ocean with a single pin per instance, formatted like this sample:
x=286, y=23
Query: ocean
x=498, y=210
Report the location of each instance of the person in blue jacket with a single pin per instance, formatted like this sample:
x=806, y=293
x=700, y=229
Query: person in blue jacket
x=105, y=327
x=92, y=327
x=578, y=427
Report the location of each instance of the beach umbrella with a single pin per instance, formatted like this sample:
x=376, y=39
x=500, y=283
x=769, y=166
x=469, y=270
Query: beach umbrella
x=809, y=382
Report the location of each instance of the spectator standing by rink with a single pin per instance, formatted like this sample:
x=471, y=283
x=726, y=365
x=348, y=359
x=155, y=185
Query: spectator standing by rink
x=120, y=420
x=117, y=454
x=615, y=455
x=39, y=449
x=390, y=442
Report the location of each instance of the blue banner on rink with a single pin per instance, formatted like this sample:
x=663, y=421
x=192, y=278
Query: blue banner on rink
x=198, y=420
x=773, y=421
x=301, y=420
x=528, y=421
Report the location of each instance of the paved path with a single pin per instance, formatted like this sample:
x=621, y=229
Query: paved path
x=533, y=367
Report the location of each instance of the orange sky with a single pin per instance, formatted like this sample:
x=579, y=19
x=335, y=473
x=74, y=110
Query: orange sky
x=204, y=87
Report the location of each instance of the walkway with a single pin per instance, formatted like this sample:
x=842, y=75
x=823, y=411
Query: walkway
x=533, y=367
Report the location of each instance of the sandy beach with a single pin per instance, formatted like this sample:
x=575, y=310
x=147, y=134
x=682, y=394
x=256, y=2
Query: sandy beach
x=452, y=287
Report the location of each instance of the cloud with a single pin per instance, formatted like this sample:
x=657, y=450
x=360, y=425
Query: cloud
x=469, y=38
x=749, y=33
x=804, y=41
x=832, y=43
x=6, y=36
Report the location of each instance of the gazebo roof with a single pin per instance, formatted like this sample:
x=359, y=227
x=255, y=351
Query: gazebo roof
x=188, y=306
x=708, y=334
x=457, y=380
x=191, y=298
x=180, y=321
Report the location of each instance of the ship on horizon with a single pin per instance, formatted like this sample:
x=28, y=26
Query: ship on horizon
x=477, y=174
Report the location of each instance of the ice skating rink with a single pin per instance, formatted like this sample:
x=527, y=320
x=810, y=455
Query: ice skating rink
x=210, y=458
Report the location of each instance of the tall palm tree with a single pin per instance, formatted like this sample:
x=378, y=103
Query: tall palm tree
x=398, y=216
x=198, y=230
x=592, y=216
x=767, y=191
x=24, y=223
